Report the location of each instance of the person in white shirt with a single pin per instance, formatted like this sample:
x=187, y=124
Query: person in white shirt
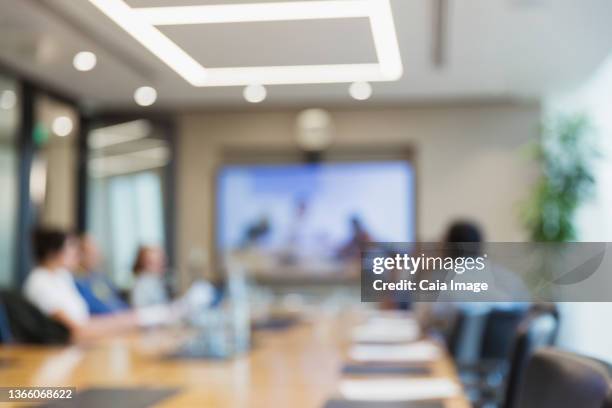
x=51, y=288
x=65, y=299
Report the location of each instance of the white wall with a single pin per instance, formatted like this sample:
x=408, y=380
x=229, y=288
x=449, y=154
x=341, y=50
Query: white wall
x=469, y=162
x=59, y=207
x=584, y=326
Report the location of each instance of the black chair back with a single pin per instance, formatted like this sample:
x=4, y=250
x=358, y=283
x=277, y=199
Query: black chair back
x=26, y=324
x=538, y=329
x=608, y=402
x=554, y=379
x=455, y=333
x=6, y=335
x=499, y=333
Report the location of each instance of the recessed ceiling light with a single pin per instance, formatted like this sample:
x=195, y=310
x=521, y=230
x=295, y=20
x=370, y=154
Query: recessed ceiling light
x=62, y=126
x=255, y=93
x=8, y=99
x=84, y=61
x=145, y=96
x=141, y=24
x=360, y=90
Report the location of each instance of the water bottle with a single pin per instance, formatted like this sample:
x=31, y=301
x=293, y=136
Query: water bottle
x=238, y=309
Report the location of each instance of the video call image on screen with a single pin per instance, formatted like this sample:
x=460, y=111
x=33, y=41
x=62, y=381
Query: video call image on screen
x=312, y=218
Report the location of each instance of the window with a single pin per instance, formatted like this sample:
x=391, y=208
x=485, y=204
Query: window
x=9, y=122
x=126, y=203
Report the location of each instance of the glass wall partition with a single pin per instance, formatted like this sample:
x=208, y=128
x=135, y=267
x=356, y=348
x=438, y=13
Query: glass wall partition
x=9, y=126
x=127, y=200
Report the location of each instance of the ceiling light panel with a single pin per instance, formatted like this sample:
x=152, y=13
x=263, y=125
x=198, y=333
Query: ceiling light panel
x=312, y=42
x=142, y=24
x=164, y=3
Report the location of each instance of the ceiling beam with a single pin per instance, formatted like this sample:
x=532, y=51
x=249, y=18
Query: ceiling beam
x=439, y=32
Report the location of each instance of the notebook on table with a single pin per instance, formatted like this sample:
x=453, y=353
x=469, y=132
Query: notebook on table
x=133, y=397
x=341, y=403
x=275, y=323
x=386, y=369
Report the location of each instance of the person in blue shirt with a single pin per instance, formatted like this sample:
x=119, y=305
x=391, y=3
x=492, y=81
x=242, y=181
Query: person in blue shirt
x=101, y=296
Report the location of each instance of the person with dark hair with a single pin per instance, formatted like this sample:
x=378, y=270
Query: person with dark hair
x=51, y=288
x=463, y=231
x=463, y=238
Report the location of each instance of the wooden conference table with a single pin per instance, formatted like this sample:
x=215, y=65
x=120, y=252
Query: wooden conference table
x=297, y=367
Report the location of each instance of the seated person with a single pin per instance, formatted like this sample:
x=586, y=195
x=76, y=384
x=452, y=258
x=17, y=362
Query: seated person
x=100, y=294
x=51, y=288
x=149, y=285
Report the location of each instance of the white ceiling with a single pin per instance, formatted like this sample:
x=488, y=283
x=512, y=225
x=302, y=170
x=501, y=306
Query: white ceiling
x=495, y=49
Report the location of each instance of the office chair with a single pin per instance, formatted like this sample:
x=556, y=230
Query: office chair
x=608, y=402
x=26, y=324
x=496, y=344
x=499, y=333
x=537, y=329
x=5, y=328
x=454, y=335
x=555, y=379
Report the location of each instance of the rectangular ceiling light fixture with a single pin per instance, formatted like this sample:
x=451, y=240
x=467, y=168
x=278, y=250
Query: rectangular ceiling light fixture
x=141, y=24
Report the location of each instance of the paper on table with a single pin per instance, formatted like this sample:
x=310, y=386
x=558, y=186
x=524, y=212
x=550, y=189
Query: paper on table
x=391, y=319
x=391, y=314
x=398, y=389
x=414, y=352
x=386, y=332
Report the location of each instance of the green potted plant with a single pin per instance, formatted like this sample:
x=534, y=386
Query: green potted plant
x=565, y=153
